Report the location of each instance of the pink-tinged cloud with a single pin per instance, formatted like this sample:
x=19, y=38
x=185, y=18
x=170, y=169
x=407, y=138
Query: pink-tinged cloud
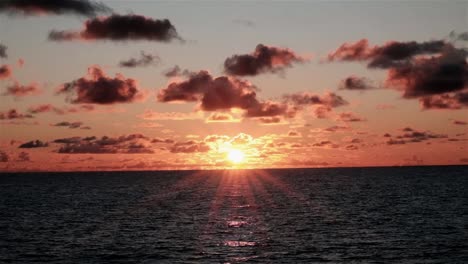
x=410, y=135
x=55, y=7
x=459, y=122
x=304, y=99
x=19, y=90
x=71, y=125
x=270, y=120
x=385, y=107
x=121, y=28
x=48, y=108
x=356, y=83
x=5, y=72
x=130, y=144
x=417, y=68
x=445, y=101
x=190, y=147
x=221, y=118
x=4, y=157
x=13, y=114
x=97, y=88
x=222, y=94
x=263, y=59
x=34, y=144
x=350, y=117
x=391, y=54
x=430, y=76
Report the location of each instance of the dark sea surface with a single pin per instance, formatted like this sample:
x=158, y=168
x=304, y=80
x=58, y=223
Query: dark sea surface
x=345, y=215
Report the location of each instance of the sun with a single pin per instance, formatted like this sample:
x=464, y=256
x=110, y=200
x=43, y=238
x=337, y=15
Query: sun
x=235, y=156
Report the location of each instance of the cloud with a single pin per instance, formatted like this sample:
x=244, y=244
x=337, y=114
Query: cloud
x=5, y=71
x=459, y=122
x=336, y=129
x=56, y=7
x=153, y=115
x=121, y=28
x=459, y=36
x=34, y=144
x=263, y=59
x=4, y=156
x=445, y=101
x=391, y=54
x=270, y=120
x=144, y=60
x=190, y=147
x=349, y=117
x=13, y=114
x=23, y=156
x=410, y=135
x=294, y=133
x=176, y=71
x=132, y=144
x=221, y=118
x=18, y=90
x=97, y=88
x=222, y=94
x=47, y=108
x=303, y=99
x=71, y=125
x=3, y=53
x=325, y=144
x=418, y=69
x=385, y=107
x=355, y=83
x=429, y=76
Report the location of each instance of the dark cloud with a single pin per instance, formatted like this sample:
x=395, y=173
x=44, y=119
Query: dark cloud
x=391, y=54
x=144, y=60
x=159, y=140
x=350, y=117
x=429, y=76
x=459, y=36
x=5, y=72
x=3, y=53
x=337, y=128
x=355, y=83
x=325, y=144
x=410, y=135
x=18, y=90
x=57, y=7
x=293, y=133
x=176, y=71
x=71, y=125
x=459, y=122
x=303, y=99
x=445, y=101
x=133, y=143
x=222, y=93
x=34, y=144
x=270, y=120
x=48, y=108
x=351, y=147
x=4, y=156
x=13, y=114
x=418, y=69
x=263, y=59
x=190, y=147
x=121, y=28
x=97, y=88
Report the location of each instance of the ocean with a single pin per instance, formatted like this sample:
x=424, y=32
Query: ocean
x=329, y=215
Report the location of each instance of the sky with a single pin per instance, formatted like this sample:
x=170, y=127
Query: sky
x=152, y=85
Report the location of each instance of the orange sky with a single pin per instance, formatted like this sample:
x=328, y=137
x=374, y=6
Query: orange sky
x=166, y=87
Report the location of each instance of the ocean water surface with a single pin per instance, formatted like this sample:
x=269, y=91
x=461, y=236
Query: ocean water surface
x=342, y=215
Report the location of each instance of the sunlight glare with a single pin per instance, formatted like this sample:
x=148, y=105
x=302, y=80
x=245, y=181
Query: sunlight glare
x=235, y=156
